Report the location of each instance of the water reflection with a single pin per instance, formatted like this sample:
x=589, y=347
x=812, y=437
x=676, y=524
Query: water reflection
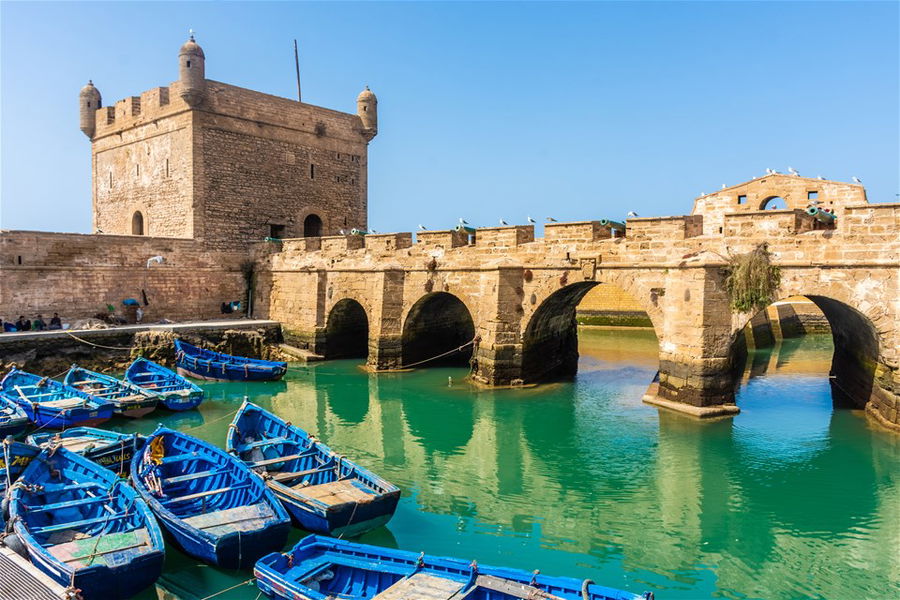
x=790, y=498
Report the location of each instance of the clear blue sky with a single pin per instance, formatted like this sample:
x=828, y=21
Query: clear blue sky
x=487, y=110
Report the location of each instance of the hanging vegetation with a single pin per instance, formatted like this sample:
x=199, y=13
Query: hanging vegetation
x=751, y=279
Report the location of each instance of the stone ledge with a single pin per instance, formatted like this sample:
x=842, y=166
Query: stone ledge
x=701, y=412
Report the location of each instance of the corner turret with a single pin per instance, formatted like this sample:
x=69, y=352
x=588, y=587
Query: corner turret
x=192, y=72
x=89, y=101
x=367, y=109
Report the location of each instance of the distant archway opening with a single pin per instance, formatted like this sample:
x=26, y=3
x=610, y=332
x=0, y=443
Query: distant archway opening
x=347, y=331
x=773, y=203
x=550, y=342
x=854, y=337
x=437, y=323
x=312, y=226
x=137, y=223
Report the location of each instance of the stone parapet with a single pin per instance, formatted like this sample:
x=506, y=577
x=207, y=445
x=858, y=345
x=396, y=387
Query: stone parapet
x=504, y=237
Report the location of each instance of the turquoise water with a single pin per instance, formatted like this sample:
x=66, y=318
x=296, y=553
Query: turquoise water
x=791, y=498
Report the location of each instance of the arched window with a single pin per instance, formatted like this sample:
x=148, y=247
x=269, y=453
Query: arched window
x=312, y=226
x=773, y=203
x=137, y=223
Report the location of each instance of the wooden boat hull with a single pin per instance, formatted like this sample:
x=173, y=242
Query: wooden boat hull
x=215, y=508
x=319, y=567
x=53, y=404
x=199, y=363
x=82, y=526
x=322, y=491
x=127, y=399
x=106, y=448
x=173, y=391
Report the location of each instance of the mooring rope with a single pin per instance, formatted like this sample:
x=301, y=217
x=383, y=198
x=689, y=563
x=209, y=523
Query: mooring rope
x=447, y=353
x=228, y=589
x=83, y=341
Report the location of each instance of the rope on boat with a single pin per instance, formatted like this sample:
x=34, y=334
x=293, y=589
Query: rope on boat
x=83, y=341
x=228, y=589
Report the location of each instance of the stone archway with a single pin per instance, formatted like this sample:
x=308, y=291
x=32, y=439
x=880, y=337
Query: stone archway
x=347, y=330
x=437, y=323
x=312, y=226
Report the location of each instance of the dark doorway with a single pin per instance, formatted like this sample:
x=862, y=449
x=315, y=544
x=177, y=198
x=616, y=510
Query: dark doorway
x=436, y=324
x=312, y=226
x=347, y=331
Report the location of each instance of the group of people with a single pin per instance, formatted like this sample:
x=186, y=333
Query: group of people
x=38, y=324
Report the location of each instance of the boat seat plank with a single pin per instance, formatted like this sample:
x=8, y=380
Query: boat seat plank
x=421, y=586
x=92, y=549
x=192, y=476
x=167, y=460
x=240, y=518
x=513, y=588
x=77, y=524
x=339, y=492
x=66, y=504
x=273, y=461
x=223, y=490
x=288, y=475
x=65, y=403
x=267, y=442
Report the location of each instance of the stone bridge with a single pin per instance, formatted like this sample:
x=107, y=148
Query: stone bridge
x=399, y=302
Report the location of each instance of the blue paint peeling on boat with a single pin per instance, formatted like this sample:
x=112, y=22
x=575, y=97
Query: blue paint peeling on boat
x=83, y=526
x=174, y=391
x=216, y=508
x=216, y=366
x=320, y=568
x=323, y=491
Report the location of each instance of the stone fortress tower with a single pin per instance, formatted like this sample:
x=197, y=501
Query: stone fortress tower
x=225, y=165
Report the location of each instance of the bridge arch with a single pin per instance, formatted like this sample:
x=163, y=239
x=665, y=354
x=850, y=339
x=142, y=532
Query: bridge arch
x=437, y=323
x=859, y=346
x=550, y=337
x=347, y=330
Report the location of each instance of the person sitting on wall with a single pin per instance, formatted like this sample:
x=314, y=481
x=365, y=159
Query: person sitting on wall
x=23, y=324
x=55, y=322
x=38, y=324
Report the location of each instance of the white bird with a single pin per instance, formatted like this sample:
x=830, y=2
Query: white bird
x=822, y=178
x=342, y=232
x=724, y=186
x=551, y=220
x=463, y=221
x=99, y=230
x=793, y=171
x=769, y=171
x=530, y=220
x=502, y=222
x=155, y=259
x=372, y=231
x=856, y=179
x=631, y=213
x=422, y=227
x=814, y=202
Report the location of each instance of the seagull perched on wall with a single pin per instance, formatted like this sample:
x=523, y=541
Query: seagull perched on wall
x=502, y=222
x=820, y=177
x=724, y=186
x=530, y=220
x=631, y=213
x=769, y=171
x=814, y=203
x=551, y=220
x=856, y=179
x=342, y=232
x=422, y=227
x=463, y=221
x=793, y=171
x=99, y=230
x=155, y=259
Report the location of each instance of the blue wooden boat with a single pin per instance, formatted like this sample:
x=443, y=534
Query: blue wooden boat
x=323, y=491
x=109, y=449
x=49, y=403
x=216, y=508
x=84, y=527
x=206, y=364
x=174, y=391
x=320, y=568
x=13, y=419
x=14, y=458
x=127, y=399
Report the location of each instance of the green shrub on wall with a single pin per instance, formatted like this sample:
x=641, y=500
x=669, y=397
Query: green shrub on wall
x=751, y=280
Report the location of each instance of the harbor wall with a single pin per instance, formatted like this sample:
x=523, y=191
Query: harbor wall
x=78, y=275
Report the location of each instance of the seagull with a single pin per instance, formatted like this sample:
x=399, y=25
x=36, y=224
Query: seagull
x=822, y=178
x=463, y=221
x=99, y=230
x=155, y=259
x=814, y=202
x=502, y=222
x=342, y=232
x=551, y=220
x=631, y=213
x=422, y=227
x=372, y=231
x=724, y=186
x=530, y=220
x=793, y=172
x=769, y=172
x=856, y=179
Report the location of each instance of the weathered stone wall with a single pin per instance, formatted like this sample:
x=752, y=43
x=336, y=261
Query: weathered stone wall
x=608, y=305
x=78, y=275
x=229, y=170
